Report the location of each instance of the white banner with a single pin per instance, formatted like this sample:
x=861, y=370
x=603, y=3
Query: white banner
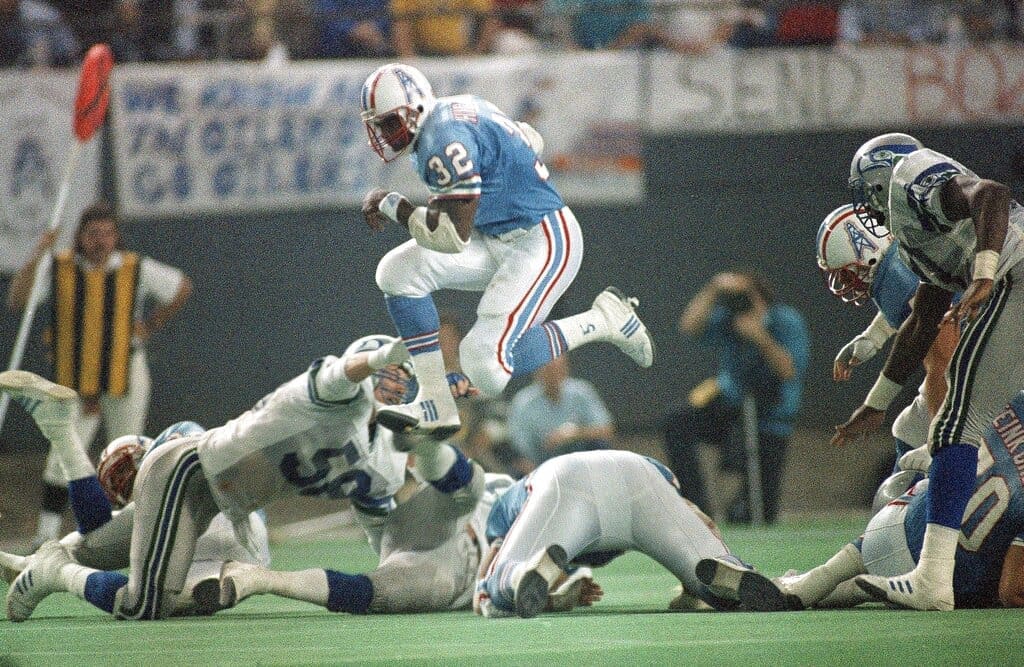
x=216, y=138
x=36, y=111
x=807, y=89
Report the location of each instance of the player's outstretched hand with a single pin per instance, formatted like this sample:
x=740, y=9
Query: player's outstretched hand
x=460, y=385
x=861, y=423
x=966, y=309
x=371, y=212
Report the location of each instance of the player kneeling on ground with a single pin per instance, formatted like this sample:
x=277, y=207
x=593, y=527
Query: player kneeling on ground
x=585, y=509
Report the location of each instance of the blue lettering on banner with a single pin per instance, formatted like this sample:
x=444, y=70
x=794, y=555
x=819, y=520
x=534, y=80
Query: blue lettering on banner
x=142, y=96
x=234, y=141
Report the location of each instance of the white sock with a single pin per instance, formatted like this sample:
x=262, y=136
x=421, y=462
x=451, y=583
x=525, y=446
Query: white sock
x=49, y=525
x=433, y=459
x=74, y=575
x=583, y=328
x=822, y=580
x=431, y=376
x=305, y=585
x=938, y=552
x=73, y=459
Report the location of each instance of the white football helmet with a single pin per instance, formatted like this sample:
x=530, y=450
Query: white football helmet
x=871, y=173
x=386, y=385
x=118, y=466
x=849, y=254
x=395, y=101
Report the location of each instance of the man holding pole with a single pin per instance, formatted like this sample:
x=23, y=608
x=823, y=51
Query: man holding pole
x=100, y=297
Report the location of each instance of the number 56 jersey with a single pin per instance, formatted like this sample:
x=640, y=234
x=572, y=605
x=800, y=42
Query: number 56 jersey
x=468, y=148
x=312, y=437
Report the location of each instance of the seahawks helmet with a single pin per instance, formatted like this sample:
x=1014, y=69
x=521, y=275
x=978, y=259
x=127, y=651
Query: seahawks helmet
x=849, y=254
x=395, y=101
x=871, y=173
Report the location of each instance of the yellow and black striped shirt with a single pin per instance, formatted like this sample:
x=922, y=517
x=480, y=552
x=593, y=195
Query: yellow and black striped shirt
x=92, y=321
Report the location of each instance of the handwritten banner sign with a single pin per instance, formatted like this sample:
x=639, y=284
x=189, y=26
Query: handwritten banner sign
x=35, y=138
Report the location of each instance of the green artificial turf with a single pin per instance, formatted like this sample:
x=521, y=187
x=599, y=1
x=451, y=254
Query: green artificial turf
x=629, y=627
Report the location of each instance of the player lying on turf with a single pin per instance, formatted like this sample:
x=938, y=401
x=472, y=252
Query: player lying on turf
x=103, y=538
x=989, y=568
x=585, y=509
x=429, y=551
x=312, y=436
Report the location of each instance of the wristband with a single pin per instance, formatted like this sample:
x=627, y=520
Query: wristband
x=882, y=394
x=985, y=263
x=389, y=206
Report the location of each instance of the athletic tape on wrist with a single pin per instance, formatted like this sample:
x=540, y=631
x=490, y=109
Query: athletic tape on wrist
x=389, y=206
x=882, y=394
x=985, y=263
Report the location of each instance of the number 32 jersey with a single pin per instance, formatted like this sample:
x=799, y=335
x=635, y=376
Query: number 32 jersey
x=468, y=148
x=296, y=441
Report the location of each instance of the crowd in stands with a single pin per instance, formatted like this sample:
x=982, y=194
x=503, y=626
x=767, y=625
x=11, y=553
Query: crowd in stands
x=54, y=33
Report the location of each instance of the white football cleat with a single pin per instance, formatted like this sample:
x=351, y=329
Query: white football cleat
x=49, y=403
x=38, y=580
x=909, y=590
x=536, y=579
x=239, y=581
x=438, y=418
x=566, y=595
x=625, y=330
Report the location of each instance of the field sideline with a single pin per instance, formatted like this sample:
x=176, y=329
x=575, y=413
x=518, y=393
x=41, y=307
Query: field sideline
x=631, y=626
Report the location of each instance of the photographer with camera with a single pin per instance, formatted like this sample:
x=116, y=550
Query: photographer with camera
x=762, y=350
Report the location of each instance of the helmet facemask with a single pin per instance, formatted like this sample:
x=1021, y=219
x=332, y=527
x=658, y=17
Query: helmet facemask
x=395, y=384
x=851, y=283
x=392, y=133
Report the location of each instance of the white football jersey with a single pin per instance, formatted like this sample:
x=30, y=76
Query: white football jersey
x=297, y=442
x=939, y=250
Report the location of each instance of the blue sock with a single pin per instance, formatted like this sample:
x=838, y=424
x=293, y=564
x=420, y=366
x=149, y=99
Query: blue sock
x=101, y=588
x=457, y=476
x=502, y=597
x=349, y=592
x=540, y=344
x=416, y=321
x=89, y=503
x=952, y=475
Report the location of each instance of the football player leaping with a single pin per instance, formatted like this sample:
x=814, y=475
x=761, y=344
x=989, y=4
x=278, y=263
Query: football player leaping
x=495, y=225
x=989, y=569
x=311, y=436
x=585, y=509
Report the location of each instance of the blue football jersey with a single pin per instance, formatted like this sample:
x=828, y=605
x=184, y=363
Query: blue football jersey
x=994, y=517
x=893, y=287
x=506, y=509
x=468, y=148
